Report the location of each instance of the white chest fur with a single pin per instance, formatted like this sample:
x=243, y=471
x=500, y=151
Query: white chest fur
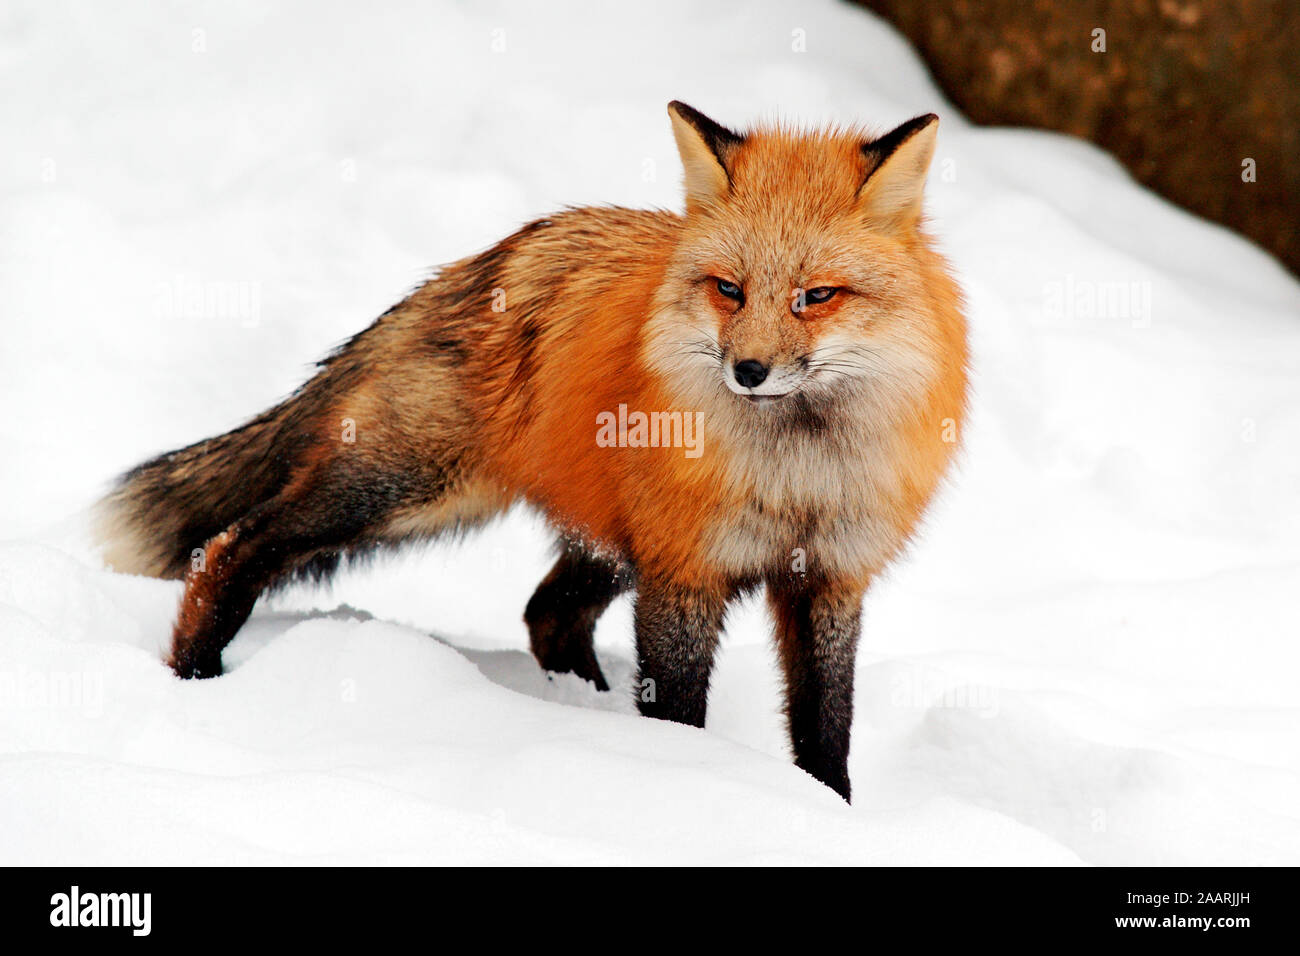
x=819, y=499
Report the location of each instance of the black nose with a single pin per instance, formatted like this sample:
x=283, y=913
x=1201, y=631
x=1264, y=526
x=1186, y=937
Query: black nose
x=750, y=373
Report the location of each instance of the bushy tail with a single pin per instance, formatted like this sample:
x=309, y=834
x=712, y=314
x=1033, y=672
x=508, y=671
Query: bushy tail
x=162, y=510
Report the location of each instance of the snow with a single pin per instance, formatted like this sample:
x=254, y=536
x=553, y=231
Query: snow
x=1088, y=657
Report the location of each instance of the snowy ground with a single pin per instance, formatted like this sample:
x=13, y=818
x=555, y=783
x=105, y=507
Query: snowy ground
x=1089, y=657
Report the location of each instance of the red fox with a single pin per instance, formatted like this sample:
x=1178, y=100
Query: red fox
x=764, y=391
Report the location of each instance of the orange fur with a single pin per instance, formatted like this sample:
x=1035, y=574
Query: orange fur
x=794, y=220
x=802, y=262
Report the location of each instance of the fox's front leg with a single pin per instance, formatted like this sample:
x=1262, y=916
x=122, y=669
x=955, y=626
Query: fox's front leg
x=817, y=628
x=562, y=613
x=676, y=637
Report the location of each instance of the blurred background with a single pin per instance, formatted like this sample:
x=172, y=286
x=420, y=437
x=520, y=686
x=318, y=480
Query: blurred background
x=1199, y=99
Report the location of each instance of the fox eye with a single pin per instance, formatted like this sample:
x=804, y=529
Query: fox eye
x=730, y=290
x=823, y=293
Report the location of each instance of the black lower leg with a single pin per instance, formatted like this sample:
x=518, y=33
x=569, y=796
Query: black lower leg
x=676, y=637
x=562, y=613
x=817, y=635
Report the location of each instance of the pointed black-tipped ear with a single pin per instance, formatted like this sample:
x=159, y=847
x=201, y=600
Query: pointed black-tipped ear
x=897, y=164
x=706, y=148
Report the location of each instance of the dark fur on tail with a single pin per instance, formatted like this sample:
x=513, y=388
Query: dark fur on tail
x=378, y=449
x=165, y=508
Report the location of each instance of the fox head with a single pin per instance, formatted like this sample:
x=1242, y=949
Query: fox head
x=801, y=274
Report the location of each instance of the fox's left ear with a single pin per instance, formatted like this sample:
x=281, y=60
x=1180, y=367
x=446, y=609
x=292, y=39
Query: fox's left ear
x=898, y=163
x=706, y=148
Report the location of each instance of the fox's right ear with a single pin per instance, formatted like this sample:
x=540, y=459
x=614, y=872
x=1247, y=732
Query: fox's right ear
x=706, y=148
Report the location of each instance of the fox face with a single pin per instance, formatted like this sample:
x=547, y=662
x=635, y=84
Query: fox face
x=800, y=271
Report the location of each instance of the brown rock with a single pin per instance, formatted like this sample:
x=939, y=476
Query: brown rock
x=1185, y=92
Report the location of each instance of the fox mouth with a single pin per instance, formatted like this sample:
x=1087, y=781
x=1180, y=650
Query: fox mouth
x=767, y=399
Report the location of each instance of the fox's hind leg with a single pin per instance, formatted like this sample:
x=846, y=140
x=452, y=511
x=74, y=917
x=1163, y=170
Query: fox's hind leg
x=314, y=516
x=562, y=613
